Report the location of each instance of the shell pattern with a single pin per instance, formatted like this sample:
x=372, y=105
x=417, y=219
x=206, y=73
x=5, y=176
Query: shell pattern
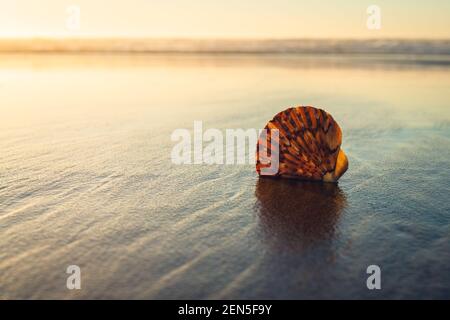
x=309, y=145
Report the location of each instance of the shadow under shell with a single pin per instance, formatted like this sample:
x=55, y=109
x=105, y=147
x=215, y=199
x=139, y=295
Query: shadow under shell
x=297, y=214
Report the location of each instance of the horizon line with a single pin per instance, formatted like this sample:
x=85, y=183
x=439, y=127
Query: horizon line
x=226, y=46
x=207, y=38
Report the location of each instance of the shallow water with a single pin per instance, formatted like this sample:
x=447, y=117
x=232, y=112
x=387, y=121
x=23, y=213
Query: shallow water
x=86, y=178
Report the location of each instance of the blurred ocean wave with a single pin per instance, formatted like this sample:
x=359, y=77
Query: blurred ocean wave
x=290, y=46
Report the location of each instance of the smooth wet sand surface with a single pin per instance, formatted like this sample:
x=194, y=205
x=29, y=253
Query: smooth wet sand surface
x=86, y=179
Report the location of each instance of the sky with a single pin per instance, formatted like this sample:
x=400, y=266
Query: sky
x=224, y=19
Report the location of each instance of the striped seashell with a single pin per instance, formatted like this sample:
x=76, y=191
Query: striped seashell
x=309, y=141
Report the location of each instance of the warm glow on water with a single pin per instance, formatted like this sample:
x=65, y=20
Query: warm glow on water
x=86, y=178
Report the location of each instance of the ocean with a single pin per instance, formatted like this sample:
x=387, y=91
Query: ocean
x=86, y=176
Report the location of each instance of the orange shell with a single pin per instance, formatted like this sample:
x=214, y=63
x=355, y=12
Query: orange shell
x=309, y=145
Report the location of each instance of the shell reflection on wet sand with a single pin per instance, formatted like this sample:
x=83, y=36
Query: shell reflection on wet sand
x=298, y=214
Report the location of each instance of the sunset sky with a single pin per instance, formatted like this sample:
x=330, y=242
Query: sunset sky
x=226, y=19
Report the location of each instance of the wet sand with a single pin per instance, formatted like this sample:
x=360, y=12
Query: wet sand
x=86, y=179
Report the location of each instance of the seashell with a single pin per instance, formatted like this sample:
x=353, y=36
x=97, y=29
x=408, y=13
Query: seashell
x=309, y=144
